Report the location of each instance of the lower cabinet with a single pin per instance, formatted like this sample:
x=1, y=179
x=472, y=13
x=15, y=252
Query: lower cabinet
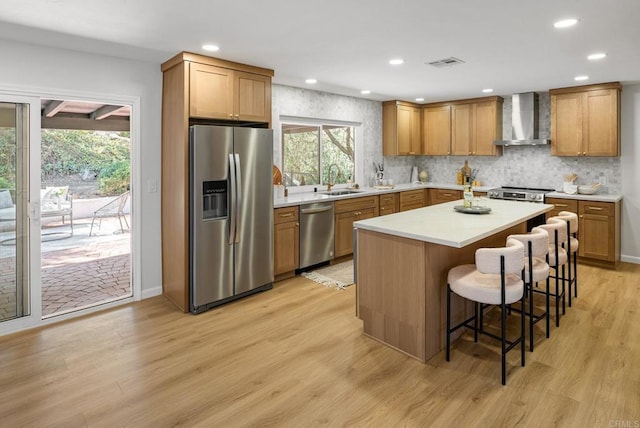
x=346, y=212
x=389, y=203
x=439, y=196
x=598, y=228
x=285, y=241
x=412, y=199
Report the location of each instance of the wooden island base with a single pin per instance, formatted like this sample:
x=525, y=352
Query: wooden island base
x=401, y=288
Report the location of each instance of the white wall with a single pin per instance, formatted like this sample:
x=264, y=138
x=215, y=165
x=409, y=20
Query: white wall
x=32, y=68
x=630, y=165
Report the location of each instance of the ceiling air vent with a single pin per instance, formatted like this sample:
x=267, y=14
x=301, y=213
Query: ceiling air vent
x=447, y=62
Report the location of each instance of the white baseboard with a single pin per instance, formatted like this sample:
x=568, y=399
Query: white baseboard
x=151, y=292
x=630, y=259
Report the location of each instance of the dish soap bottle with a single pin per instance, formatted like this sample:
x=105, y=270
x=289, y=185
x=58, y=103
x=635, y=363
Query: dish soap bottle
x=467, y=193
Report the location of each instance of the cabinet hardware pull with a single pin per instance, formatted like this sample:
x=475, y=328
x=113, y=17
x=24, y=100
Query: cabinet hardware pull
x=297, y=224
x=412, y=153
x=286, y=215
x=595, y=208
x=561, y=205
x=230, y=115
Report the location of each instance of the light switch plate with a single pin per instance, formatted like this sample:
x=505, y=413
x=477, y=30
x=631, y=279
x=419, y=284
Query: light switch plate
x=152, y=186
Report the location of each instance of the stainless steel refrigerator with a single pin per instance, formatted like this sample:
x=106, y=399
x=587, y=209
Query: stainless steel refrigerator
x=231, y=214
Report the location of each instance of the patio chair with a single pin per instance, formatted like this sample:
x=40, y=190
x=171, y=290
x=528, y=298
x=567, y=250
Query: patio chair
x=115, y=208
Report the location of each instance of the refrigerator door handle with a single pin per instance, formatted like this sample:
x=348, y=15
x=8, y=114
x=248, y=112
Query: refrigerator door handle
x=238, y=196
x=232, y=200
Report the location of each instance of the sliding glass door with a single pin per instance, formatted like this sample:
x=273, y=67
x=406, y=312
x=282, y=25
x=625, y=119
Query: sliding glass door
x=14, y=218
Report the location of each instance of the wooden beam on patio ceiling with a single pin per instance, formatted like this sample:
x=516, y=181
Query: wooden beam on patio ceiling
x=53, y=108
x=105, y=111
x=83, y=123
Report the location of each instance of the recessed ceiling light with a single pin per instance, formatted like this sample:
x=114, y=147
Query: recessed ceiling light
x=580, y=78
x=565, y=23
x=210, y=48
x=487, y=90
x=365, y=92
x=396, y=61
x=311, y=81
x=420, y=99
x=597, y=56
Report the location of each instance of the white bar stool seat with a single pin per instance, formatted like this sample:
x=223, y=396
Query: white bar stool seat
x=557, y=259
x=536, y=269
x=496, y=279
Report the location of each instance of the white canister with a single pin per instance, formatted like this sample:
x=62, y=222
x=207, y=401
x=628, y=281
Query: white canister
x=278, y=190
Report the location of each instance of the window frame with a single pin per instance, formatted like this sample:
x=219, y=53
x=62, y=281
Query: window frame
x=319, y=123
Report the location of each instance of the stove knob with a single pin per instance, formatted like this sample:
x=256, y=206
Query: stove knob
x=493, y=194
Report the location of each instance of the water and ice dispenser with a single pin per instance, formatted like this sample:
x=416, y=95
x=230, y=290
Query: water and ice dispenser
x=214, y=199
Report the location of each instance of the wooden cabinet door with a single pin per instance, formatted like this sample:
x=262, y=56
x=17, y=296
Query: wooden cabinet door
x=461, y=129
x=408, y=130
x=416, y=132
x=438, y=196
x=566, y=124
x=486, y=118
x=597, y=230
x=601, y=112
x=412, y=199
x=286, y=252
x=436, y=130
x=388, y=203
x=252, y=97
x=210, y=92
x=343, y=237
x=596, y=237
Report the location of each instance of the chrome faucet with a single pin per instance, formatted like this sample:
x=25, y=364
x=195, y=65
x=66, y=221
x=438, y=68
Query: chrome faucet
x=330, y=184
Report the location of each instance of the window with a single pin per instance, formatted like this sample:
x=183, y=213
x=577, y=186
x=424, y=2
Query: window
x=310, y=152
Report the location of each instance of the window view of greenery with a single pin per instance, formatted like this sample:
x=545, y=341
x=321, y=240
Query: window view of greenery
x=311, y=152
x=97, y=162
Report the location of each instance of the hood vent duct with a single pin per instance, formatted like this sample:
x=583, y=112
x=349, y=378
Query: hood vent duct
x=524, y=122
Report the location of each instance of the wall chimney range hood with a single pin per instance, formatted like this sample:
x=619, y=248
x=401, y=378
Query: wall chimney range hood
x=524, y=122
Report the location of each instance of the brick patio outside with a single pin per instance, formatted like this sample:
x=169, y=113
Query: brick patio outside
x=77, y=272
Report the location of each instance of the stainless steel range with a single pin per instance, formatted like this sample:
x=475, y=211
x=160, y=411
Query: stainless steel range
x=518, y=194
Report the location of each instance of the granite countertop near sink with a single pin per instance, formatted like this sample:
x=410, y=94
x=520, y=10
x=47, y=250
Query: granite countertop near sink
x=579, y=196
x=303, y=198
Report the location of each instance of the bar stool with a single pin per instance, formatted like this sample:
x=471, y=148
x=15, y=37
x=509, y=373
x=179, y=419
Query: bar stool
x=571, y=245
x=536, y=269
x=495, y=279
x=557, y=259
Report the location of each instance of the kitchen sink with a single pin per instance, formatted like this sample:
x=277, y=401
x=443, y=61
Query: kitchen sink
x=341, y=192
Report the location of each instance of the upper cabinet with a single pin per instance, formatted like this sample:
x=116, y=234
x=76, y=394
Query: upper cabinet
x=222, y=93
x=436, y=130
x=463, y=127
x=401, y=129
x=585, y=120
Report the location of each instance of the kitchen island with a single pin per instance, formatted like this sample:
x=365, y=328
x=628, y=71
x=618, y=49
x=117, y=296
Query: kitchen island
x=402, y=261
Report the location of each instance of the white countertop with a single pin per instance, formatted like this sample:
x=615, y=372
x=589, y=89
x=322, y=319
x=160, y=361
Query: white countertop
x=440, y=224
x=596, y=197
x=311, y=197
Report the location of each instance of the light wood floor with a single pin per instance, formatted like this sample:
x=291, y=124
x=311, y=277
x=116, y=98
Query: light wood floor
x=295, y=357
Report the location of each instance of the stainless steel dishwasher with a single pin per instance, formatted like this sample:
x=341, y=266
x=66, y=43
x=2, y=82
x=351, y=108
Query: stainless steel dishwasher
x=316, y=233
